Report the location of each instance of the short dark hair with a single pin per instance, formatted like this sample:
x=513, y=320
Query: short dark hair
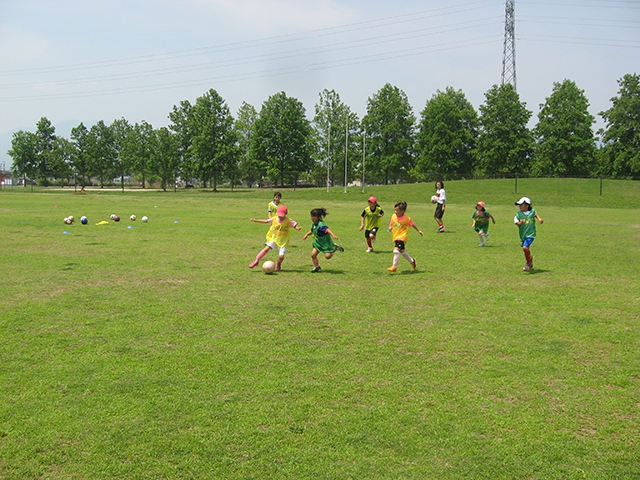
x=319, y=212
x=401, y=205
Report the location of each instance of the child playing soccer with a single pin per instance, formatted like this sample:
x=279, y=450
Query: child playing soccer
x=370, y=221
x=399, y=226
x=278, y=236
x=272, y=209
x=525, y=219
x=441, y=203
x=323, y=238
x=481, y=222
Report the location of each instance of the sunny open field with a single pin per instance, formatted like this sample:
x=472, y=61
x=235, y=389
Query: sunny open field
x=154, y=352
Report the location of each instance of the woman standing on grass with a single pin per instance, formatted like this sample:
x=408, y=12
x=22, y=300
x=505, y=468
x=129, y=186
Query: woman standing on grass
x=323, y=239
x=399, y=226
x=441, y=200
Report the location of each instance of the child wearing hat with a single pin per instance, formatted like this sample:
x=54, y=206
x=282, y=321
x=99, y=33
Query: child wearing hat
x=525, y=219
x=370, y=221
x=481, y=222
x=278, y=236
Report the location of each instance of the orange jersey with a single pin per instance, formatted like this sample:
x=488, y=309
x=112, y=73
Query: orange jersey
x=400, y=227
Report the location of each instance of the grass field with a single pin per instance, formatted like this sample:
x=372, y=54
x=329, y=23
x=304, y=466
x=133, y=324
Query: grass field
x=154, y=352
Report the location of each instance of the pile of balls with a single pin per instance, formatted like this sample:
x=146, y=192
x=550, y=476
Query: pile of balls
x=116, y=218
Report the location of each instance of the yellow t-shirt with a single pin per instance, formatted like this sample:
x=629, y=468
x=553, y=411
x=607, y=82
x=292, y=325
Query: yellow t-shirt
x=272, y=211
x=280, y=232
x=400, y=227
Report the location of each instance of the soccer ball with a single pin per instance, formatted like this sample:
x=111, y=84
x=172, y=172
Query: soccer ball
x=116, y=218
x=145, y=219
x=67, y=220
x=71, y=218
x=84, y=220
x=434, y=199
x=112, y=216
x=132, y=218
x=268, y=267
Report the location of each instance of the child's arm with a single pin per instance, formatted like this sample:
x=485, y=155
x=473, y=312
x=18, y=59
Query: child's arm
x=473, y=224
x=539, y=219
x=307, y=234
x=259, y=220
x=331, y=233
x=361, y=223
x=492, y=219
x=419, y=231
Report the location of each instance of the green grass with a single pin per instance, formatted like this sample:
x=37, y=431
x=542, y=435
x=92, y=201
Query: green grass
x=154, y=352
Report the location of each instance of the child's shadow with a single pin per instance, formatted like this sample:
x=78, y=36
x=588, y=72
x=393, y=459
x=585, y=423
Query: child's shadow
x=538, y=270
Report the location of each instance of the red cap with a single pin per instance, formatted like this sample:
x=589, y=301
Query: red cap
x=373, y=200
x=480, y=204
x=282, y=211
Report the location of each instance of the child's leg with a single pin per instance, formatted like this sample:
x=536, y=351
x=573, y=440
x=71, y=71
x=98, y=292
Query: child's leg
x=261, y=254
x=396, y=257
x=406, y=255
x=279, y=262
x=328, y=255
x=527, y=255
x=480, y=234
x=314, y=258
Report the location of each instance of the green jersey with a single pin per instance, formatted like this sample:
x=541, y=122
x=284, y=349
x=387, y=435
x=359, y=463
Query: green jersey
x=482, y=221
x=528, y=228
x=322, y=241
x=371, y=218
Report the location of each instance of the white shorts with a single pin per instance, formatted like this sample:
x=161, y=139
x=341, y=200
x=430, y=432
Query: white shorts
x=281, y=250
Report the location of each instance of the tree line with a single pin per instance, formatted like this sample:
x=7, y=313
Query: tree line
x=279, y=144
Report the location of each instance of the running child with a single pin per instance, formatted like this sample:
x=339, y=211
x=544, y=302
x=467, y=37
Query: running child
x=399, y=226
x=272, y=209
x=441, y=200
x=323, y=238
x=481, y=222
x=525, y=219
x=370, y=221
x=278, y=236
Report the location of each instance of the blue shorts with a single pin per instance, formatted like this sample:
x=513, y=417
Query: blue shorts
x=528, y=241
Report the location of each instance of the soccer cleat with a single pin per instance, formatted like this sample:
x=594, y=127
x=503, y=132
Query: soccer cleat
x=316, y=270
x=338, y=247
x=414, y=264
x=369, y=250
x=481, y=245
x=253, y=264
x=392, y=269
x=441, y=229
x=527, y=267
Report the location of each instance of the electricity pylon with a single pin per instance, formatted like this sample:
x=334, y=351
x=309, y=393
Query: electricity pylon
x=509, y=49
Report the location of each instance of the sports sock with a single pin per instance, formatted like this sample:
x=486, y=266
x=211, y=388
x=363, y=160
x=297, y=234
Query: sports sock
x=261, y=254
x=527, y=255
x=396, y=257
x=369, y=243
x=406, y=255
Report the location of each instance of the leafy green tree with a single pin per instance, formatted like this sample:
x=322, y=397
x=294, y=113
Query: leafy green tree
x=620, y=155
x=24, y=152
x=102, y=153
x=505, y=143
x=249, y=167
x=120, y=129
x=138, y=150
x=447, y=136
x=281, y=139
x=165, y=157
x=335, y=130
x=565, y=143
x=45, y=145
x=180, y=118
x=61, y=159
x=213, y=137
x=390, y=128
x=81, y=157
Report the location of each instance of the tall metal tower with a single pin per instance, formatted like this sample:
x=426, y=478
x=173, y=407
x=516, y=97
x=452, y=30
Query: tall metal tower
x=509, y=49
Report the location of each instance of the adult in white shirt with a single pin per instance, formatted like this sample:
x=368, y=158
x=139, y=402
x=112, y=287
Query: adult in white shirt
x=441, y=201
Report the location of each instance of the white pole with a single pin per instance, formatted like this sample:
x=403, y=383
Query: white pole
x=346, y=151
x=329, y=157
x=364, y=149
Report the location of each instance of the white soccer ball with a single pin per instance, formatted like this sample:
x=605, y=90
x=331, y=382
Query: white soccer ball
x=434, y=199
x=268, y=267
x=133, y=218
x=71, y=218
x=145, y=219
x=67, y=220
x=112, y=216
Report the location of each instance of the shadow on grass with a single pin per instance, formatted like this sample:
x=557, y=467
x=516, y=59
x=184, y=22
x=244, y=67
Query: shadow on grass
x=538, y=270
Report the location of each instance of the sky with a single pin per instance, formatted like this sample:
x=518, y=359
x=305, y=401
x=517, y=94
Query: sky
x=76, y=61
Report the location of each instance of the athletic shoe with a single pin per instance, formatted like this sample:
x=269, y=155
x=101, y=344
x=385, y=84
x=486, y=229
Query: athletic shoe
x=338, y=247
x=369, y=250
x=253, y=264
x=441, y=229
x=481, y=245
x=316, y=270
x=392, y=269
x=414, y=264
x=527, y=267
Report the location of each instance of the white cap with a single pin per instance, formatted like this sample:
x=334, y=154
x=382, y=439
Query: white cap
x=524, y=200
